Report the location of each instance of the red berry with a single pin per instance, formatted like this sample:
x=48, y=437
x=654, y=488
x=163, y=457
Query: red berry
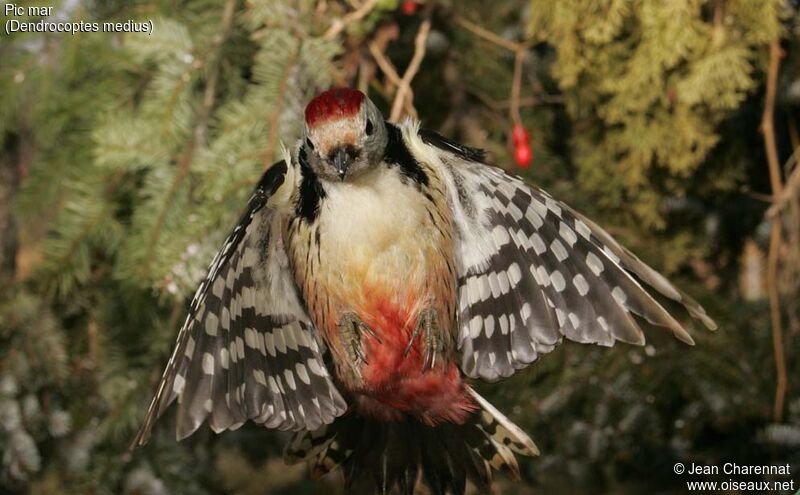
x=519, y=134
x=523, y=155
x=409, y=7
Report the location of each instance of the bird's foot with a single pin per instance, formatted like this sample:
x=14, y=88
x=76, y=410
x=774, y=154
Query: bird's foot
x=352, y=331
x=433, y=342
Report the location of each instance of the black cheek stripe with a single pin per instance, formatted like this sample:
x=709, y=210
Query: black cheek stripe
x=311, y=191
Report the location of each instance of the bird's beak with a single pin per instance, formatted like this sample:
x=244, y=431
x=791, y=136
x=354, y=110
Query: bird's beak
x=341, y=160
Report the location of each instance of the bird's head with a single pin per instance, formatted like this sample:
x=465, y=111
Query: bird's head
x=345, y=134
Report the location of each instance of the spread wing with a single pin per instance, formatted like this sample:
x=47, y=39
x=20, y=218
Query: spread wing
x=532, y=271
x=248, y=350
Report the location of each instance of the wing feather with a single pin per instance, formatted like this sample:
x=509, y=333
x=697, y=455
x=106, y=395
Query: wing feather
x=248, y=350
x=532, y=271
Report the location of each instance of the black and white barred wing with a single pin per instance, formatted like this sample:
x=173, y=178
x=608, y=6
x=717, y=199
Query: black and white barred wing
x=248, y=350
x=532, y=270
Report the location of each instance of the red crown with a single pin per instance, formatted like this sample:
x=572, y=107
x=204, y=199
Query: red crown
x=338, y=102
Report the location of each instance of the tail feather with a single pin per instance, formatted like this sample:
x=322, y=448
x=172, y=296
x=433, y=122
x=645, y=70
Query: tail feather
x=497, y=426
x=377, y=456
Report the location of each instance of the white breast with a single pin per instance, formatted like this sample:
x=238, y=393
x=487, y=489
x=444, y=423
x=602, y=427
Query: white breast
x=373, y=228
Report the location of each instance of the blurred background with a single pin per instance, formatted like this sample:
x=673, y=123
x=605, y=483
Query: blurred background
x=126, y=158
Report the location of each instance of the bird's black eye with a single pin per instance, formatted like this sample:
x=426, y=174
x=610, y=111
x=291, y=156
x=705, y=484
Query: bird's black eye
x=309, y=143
x=369, y=127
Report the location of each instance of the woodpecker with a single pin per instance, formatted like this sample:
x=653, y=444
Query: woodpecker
x=377, y=271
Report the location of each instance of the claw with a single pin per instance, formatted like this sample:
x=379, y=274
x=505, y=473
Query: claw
x=351, y=329
x=368, y=331
x=412, y=339
x=429, y=325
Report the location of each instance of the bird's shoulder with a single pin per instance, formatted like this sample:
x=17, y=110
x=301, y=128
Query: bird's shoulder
x=443, y=143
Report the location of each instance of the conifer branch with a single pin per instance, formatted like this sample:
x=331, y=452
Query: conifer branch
x=198, y=137
x=75, y=243
x=275, y=117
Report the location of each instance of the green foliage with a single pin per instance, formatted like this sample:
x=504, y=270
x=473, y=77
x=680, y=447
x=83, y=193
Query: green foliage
x=652, y=80
x=139, y=151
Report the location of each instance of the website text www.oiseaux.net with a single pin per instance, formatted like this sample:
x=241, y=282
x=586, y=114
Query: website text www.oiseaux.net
x=755, y=483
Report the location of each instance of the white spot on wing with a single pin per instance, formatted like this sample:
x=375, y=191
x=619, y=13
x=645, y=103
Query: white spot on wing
x=250, y=338
x=315, y=367
x=580, y=284
x=189, y=347
x=463, y=299
x=502, y=278
x=538, y=244
x=594, y=263
x=558, y=280
x=567, y=234
x=539, y=209
x=525, y=312
x=223, y=358
x=260, y=378
x=503, y=324
x=583, y=230
x=302, y=373
x=542, y=277
x=553, y=206
x=289, y=379
x=273, y=386
x=208, y=363
x=534, y=217
x=488, y=326
x=500, y=235
x=514, y=274
x=225, y=318
x=269, y=343
x=178, y=384
x=289, y=335
x=559, y=250
x=219, y=287
x=475, y=326
x=619, y=295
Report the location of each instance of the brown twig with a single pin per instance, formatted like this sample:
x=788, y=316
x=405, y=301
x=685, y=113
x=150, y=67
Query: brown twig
x=391, y=73
x=340, y=25
x=516, y=85
x=93, y=341
x=771, y=148
x=531, y=101
x=384, y=63
x=790, y=190
x=486, y=34
x=793, y=217
x=519, y=49
x=416, y=60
